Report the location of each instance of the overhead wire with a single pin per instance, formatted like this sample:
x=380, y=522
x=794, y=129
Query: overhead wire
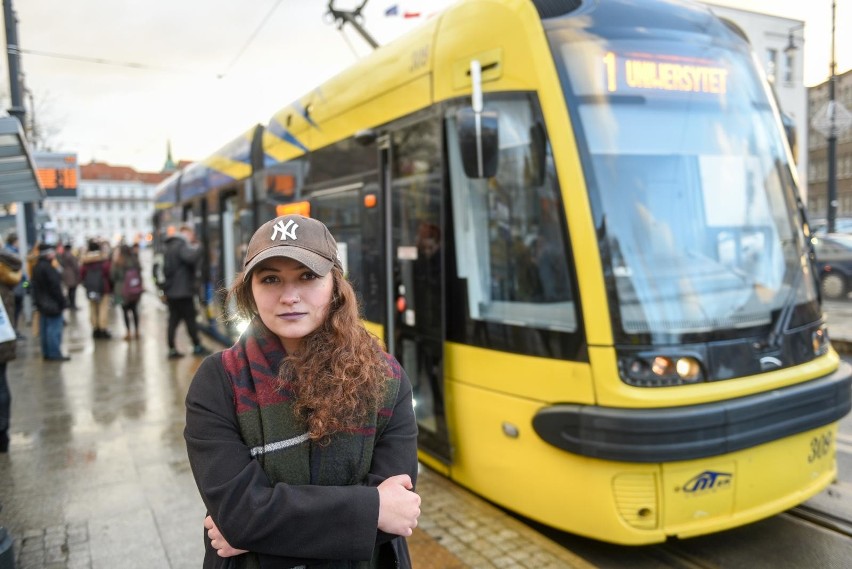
x=135, y=65
x=250, y=39
x=98, y=60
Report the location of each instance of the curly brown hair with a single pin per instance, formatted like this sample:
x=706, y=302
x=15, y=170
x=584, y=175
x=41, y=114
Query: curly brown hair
x=339, y=373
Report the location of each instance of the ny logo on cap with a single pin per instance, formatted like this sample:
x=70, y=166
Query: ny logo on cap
x=286, y=231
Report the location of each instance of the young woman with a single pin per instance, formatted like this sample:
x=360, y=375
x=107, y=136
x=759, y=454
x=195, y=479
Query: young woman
x=302, y=436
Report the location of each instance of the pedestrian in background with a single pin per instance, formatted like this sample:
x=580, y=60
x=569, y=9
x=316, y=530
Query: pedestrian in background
x=50, y=300
x=10, y=277
x=70, y=274
x=94, y=274
x=126, y=273
x=30, y=263
x=19, y=289
x=180, y=265
x=301, y=436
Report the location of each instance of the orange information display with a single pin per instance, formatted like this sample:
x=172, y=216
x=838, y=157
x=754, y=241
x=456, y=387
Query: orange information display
x=54, y=179
x=58, y=173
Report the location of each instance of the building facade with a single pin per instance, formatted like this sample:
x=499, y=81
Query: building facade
x=115, y=203
x=818, y=98
x=770, y=38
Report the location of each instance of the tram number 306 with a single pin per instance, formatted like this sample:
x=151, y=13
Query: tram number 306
x=820, y=446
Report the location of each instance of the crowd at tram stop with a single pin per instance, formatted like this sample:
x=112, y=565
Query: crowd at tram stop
x=99, y=277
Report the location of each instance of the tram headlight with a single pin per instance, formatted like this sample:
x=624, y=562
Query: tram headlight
x=662, y=366
x=660, y=370
x=688, y=369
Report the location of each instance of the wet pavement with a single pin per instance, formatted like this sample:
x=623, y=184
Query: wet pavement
x=97, y=475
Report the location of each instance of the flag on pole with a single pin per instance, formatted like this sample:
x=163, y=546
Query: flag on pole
x=395, y=10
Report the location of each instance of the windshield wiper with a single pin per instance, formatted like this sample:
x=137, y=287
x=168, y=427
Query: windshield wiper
x=773, y=341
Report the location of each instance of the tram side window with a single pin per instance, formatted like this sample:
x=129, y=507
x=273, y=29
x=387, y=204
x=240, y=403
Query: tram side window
x=341, y=213
x=332, y=183
x=511, y=246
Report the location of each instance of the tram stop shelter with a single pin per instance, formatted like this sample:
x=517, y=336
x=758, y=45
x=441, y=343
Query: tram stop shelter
x=18, y=178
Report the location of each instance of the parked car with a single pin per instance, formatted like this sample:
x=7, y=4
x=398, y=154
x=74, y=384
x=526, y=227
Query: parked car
x=834, y=263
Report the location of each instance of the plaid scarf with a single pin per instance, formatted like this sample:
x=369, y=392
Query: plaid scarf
x=279, y=440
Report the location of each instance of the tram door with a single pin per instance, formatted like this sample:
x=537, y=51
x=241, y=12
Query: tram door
x=411, y=170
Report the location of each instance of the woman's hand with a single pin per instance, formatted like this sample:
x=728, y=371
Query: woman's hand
x=399, y=506
x=219, y=543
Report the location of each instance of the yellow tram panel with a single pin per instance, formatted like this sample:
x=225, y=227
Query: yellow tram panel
x=375, y=110
x=513, y=66
x=523, y=473
x=381, y=87
x=539, y=379
x=728, y=491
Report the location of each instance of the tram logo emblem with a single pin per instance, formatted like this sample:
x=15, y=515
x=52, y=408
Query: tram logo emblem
x=286, y=231
x=708, y=480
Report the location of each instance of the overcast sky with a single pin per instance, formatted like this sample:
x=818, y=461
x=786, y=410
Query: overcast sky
x=200, y=72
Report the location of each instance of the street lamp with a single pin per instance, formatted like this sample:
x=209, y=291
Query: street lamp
x=791, y=48
x=828, y=124
x=831, y=215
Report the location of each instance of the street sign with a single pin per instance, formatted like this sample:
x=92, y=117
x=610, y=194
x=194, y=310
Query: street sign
x=822, y=120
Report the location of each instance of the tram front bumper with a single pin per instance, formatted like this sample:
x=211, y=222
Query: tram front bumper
x=696, y=431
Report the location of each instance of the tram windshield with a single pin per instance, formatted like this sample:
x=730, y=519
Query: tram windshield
x=689, y=183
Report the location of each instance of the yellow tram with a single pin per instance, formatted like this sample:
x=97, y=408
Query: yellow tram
x=576, y=224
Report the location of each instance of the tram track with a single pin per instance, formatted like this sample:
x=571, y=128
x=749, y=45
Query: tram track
x=821, y=519
x=791, y=539
x=682, y=555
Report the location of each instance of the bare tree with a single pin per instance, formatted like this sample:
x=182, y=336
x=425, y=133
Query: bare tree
x=43, y=124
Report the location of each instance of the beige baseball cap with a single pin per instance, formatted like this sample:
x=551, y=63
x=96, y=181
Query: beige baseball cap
x=296, y=237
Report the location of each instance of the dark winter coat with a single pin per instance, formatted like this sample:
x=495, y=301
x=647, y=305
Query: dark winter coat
x=10, y=276
x=46, y=283
x=180, y=263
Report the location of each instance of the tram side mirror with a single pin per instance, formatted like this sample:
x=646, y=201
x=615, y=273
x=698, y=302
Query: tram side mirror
x=538, y=153
x=477, y=132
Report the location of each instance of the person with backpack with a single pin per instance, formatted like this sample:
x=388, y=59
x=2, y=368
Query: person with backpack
x=126, y=273
x=94, y=274
x=180, y=263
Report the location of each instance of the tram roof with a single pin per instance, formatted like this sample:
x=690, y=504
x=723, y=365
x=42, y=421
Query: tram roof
x=229, y=163
x=289, y=131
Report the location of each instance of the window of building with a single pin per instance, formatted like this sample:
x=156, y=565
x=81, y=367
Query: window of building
x=771, y=64
x=789, y=61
